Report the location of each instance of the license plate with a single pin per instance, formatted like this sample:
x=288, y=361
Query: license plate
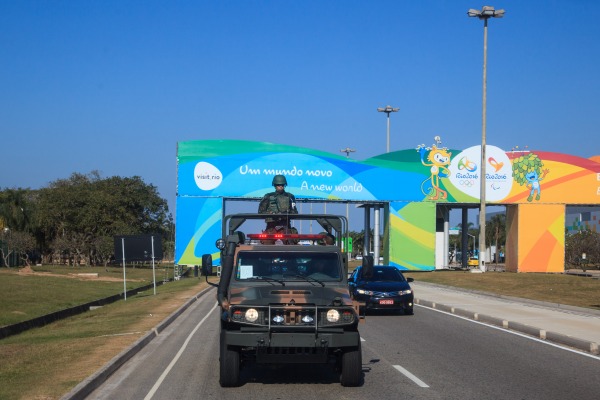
x=388, y=302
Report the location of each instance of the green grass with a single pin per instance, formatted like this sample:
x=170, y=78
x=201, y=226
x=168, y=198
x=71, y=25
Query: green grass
x=26, y=296
x=45, y=363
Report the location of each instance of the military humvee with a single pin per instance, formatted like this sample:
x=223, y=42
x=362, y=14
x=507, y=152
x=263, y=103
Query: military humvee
x=286, y=301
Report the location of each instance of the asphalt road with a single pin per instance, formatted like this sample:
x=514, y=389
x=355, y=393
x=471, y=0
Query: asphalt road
x=431, y=355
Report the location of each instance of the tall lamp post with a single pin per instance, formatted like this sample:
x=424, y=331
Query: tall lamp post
x=388, y=110
x=486, y=13
x=347, y=150
x=7, y=238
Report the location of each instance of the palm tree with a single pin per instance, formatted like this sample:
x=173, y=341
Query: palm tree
x=496, y=232
x=358, y=241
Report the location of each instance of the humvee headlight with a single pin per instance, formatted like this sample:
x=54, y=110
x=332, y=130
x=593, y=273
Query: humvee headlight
x=333, y=315
x=220, y=243
x=251, y=315
x=307, y=319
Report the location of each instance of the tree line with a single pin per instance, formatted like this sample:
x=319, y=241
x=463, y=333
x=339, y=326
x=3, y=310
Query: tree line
x=73, y=221
x=582, y=249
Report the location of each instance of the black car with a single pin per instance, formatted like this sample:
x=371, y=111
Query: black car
x=385, y=289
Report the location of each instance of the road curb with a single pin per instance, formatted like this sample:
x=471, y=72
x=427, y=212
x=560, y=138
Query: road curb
x=88, y=385
x=554, y=337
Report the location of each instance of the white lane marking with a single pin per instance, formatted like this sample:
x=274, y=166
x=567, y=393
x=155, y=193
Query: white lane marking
x=174, y=360
x=407, y=373
x=558, y=346
x=410, y=376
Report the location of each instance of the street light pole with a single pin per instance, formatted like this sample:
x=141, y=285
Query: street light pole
x=388, y=110
x=7, y=237
x=486, y=13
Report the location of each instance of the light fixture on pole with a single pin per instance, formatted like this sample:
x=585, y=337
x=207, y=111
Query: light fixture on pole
x=347, y=150
x=388, y=110
x=7, y=239
x=474, y=245
x=486, y=13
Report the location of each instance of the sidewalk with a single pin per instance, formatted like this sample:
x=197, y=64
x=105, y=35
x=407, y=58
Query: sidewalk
x=571, y=326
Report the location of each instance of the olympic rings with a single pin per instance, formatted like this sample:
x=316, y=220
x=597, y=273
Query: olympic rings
x=467, y=182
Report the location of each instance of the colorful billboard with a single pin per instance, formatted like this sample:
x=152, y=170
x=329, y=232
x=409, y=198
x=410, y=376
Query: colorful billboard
x=411, y=181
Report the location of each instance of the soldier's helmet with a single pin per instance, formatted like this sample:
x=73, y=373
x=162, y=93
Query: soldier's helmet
x=279, y=180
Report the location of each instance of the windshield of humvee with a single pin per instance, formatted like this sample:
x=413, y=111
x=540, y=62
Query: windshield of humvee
x=287, y=266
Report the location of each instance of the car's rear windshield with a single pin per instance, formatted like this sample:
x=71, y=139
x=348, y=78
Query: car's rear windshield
x=288, y=265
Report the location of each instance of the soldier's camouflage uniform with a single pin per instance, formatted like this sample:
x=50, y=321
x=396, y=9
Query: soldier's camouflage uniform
x=277, y=203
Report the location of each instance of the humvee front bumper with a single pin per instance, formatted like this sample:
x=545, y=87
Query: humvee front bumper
x=327, y=340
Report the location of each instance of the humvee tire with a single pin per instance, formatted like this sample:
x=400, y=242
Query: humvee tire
x=229, y=366
x=351, y=367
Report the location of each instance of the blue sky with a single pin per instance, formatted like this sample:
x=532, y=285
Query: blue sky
x=114, y=85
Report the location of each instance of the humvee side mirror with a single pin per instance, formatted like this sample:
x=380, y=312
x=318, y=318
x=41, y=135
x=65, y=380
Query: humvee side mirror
x=367, y=266
x=207, y=265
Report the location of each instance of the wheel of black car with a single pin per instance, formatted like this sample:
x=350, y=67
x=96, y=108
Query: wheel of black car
x=351, y=367
x=230, y=366
x=409, y=311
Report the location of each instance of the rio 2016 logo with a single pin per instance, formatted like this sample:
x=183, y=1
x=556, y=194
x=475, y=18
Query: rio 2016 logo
x=465, y=163
x=466, y=174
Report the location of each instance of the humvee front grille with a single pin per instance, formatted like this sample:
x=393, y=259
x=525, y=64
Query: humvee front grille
x=292, y=316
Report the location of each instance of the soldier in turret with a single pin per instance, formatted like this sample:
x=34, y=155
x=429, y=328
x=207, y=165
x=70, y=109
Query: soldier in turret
x=278, y=202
